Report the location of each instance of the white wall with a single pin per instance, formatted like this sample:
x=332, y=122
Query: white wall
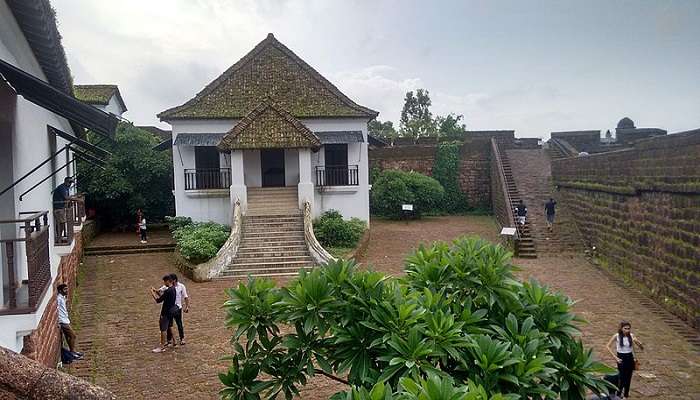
x=30, y=146
x=350, y=201
x=112, y=106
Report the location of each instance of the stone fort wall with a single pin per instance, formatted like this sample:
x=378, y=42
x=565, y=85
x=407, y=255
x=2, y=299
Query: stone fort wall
x=640, y=208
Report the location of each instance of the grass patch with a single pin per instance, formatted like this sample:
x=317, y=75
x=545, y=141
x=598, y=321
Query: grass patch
x=340, y=252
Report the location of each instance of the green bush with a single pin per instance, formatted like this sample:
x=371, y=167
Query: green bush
x=458, y=325
x=394, y=188
x=199, y=242
x=332, y=230
x=175, y=223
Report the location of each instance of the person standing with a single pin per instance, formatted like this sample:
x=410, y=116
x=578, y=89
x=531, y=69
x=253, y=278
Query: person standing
x=142, y=229
x=549, y=210
x=167, y=311
x=182, y=301
x=521, y=212
x=624, y=345
x=61, y=195
x=64, y=321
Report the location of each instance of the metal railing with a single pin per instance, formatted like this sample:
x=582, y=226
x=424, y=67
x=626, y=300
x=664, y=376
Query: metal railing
x=25, y=297
x=501, y=177
x=207, y=178
x=65, y=222
x=337, y=175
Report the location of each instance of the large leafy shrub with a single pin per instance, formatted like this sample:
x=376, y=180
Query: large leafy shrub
x=198, y=242
x=333, y=231
x=135, y=176
x=394, y=188
x=446, y=171
x=457, y=326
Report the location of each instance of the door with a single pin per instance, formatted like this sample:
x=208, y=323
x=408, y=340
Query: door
x=272, y=166
x=206, y=163
x=336, y=170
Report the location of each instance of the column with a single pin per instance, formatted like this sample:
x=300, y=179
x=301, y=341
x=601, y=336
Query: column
x=306, y=185
x=238, y=188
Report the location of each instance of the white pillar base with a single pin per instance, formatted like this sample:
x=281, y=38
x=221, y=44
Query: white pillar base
x=306, y=193
x=240, y=193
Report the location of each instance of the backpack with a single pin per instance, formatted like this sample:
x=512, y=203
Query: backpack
x=66, y=356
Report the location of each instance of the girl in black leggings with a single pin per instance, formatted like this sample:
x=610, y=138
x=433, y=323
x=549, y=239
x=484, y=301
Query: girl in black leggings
x=624, y=355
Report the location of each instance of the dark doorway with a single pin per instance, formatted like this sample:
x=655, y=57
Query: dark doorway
x=336, y=156
x=272, y=167
x=206, y=162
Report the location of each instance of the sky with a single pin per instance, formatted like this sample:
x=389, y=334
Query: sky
x=532, y=66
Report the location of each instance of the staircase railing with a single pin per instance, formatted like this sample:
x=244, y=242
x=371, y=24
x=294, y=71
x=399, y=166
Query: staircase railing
x=226, y=254
x=318, y=253
x=564, y=147
x=506, y=218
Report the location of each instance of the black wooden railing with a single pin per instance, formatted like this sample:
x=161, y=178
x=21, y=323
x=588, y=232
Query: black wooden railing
x=345, y=175
x=207, y=178
x=25, y=296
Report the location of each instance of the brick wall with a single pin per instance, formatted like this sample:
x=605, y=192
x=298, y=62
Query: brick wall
x=640, y=208
x=43, y=343
x=474, y=174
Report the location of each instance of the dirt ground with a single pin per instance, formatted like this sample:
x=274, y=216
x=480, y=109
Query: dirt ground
x=119, y=320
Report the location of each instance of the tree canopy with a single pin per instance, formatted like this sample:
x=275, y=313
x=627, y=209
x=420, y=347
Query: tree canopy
x=383, y=130
x=416, y=118
x=458, y=325
x=450, y=126
x=134, y=177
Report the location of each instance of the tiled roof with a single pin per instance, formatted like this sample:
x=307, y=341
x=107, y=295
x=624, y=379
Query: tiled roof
x=198, y=139
x=333, y=137
x=161, y=134
x=269, y=127
x=98, y=94
x=269, y=70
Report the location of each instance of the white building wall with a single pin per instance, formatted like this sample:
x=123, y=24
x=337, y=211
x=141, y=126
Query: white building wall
x=112, y=106
x=351, y=201
x=30, y=146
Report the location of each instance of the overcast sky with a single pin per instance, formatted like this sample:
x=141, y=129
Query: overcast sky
x=532, y=66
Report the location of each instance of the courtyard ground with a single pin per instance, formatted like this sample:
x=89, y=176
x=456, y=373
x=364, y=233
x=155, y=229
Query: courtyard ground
x=119, y=319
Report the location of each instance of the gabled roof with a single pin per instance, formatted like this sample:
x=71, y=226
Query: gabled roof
x=161, y=134
x=269, y=127
x=98, y=94
x=269, y=70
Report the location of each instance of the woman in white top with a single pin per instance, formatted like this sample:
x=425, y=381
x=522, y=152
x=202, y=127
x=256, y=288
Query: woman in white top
x=624, y=355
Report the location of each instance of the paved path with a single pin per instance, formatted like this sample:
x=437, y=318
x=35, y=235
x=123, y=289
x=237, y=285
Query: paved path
x=119, y=321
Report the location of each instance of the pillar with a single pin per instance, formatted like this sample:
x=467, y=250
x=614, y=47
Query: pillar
x=238, y=188
x=306, y=185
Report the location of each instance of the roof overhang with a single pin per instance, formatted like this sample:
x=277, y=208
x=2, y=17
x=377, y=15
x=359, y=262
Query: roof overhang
x=75, y=141
x=339, y=137
x=198, y=139
x=46, y=96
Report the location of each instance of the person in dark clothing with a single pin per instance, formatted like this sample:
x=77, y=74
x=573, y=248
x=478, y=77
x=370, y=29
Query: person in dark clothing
x=624, y=342
x=521, y=212
x=167, y=311
x=549, y=210
x=61, y=195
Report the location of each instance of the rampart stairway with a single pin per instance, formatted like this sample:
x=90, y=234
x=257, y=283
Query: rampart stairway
x=532, y=173
x=272, y=242
x=526, y=245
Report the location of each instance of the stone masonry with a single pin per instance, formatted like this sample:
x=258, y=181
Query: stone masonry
x=640, y=208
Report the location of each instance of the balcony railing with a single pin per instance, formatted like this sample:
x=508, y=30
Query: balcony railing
x=345, y=175
x=207, y=178
x=24, y=296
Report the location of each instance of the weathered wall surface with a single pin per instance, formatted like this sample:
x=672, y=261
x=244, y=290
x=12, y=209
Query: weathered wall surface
x=640, y=208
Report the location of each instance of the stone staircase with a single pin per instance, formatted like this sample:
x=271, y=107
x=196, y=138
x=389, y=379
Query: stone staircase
x=272, y=242
x=532, y=173
x=526, y=245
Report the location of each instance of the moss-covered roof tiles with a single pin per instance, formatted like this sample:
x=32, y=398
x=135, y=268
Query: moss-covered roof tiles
x=97, y=94
x=272, y=71
x=269, y=127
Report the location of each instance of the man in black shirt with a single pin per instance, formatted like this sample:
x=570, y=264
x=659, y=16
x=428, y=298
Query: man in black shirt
x=521, y=212
x=61, y=195
x=167, y=310
x=549, y=212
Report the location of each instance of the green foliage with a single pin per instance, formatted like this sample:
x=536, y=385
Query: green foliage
x=333, y=231
x=394, y=188
x=383, y=130
x=134, y=177
x=449, y=126
x=457, y=326
x=446, y=171
x=416, y=118
x=175, y=223
x=199, y=242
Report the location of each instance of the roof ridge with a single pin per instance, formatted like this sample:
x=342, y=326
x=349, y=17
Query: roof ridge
x=270, y=40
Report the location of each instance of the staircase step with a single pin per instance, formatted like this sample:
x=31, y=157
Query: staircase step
x=245, y=260
x=280, y=264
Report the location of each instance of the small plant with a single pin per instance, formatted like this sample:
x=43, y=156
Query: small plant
x=199, y=242
x=332, y=230
x=392, y=189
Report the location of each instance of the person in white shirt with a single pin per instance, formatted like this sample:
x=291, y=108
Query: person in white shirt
x=624, y=344
x=142, y=229
x=64, y=321
x=182, y=301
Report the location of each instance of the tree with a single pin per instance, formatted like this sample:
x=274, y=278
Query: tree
x=458, y=321
x=416, y=118
x=449, y=126
x=134, y=177
x=383, y=130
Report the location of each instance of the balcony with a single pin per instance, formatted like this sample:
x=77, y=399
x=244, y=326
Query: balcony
x=67, y=219
x=345, y=175
x=24, y=296
x=207, y=178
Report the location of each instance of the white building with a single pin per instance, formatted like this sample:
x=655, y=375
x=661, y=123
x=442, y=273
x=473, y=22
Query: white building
x=106, y=98
x=40, y=122
x=270, y=120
